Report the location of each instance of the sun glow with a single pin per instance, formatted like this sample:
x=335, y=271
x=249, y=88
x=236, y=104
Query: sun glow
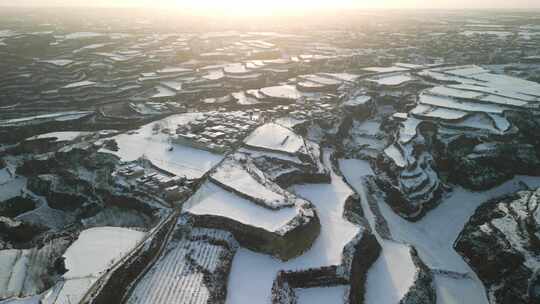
x=260, y=8
x=276, y=7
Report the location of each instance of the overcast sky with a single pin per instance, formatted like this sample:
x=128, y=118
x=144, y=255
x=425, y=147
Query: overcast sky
x=442, y=4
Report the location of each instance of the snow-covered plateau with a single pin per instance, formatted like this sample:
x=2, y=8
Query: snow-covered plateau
x=384, y=158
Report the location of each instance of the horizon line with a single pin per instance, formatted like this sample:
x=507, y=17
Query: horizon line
x=315, y=8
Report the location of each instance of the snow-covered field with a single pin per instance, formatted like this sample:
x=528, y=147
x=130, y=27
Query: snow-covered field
x=500, y=34
x=274, y=137
x=386, y=69
x=155, y=146
x=96, y=250
x=342, y=76
x=236, y=68
x=258, y=270
x=162, y=92
x=395, y=154
x=232, y=174
x=10, y=186
x=211, y=199
x=368, y=128
x=59, y=62
x=169, y=281
x=467, y=70
x=69, y=291
x=82, y=35
x=59, y=116
x=321, y=80
x=479, y=80
x=453, y=92
x=174, y=279
x=5, y=176
x=478, y=102
x=392, y=80
x=282, y=92
x=434, y=235
x=256, y=153
x=25, y=271
x=393, y=273
x=423, y=111
x=358, y=101
x=59, y=136
x=390, y=278
x=328, y=295
x=79, y=84
x=243, y=99
x=446, y=102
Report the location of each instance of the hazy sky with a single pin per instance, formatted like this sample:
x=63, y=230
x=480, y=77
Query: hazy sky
x=443, y=4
